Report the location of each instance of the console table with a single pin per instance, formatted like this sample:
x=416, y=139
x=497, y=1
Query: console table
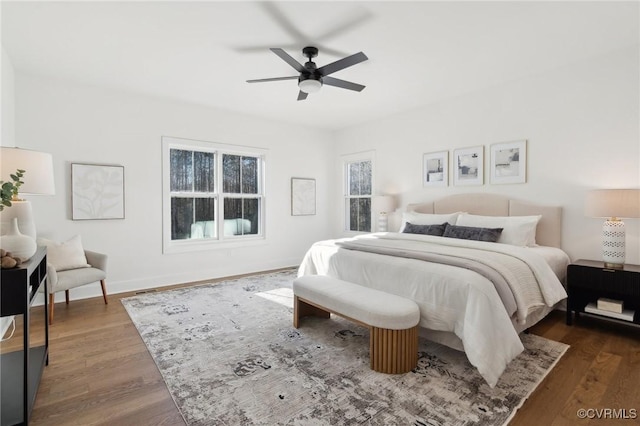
x=22, y=369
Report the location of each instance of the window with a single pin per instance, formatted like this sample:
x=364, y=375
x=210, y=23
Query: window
x=358, y=185
x=213, y=193
x=241, y=194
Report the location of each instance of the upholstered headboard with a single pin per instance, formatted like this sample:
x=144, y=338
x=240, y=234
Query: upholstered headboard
x=548, y=232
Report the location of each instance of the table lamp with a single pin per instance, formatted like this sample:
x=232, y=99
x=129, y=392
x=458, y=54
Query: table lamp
x=613, y=204
x=38, y=180
x=383, y=204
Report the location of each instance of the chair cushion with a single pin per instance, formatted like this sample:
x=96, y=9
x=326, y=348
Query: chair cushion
x=66, y=255
x=76, y=277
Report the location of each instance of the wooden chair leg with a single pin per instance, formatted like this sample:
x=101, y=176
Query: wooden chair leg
x=66, y=296
x=51, y=297
x=104, y=292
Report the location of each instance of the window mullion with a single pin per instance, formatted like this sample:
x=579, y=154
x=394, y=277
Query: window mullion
x=193, y=183
x=220, y=190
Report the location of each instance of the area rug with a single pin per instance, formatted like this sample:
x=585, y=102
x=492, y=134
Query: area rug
x=229, y=355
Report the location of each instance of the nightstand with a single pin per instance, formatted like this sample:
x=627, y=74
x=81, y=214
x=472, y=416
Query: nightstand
x=589, y=280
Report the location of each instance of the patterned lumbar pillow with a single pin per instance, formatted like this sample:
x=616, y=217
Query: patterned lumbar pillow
x=436, y=230
x=472, y=233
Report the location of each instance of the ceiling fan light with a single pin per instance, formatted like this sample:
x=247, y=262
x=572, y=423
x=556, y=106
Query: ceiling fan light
x=310, y=85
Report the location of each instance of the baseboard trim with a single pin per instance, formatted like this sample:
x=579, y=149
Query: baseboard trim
x=157, y=282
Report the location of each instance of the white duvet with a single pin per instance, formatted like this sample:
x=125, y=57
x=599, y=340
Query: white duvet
x=451, y=299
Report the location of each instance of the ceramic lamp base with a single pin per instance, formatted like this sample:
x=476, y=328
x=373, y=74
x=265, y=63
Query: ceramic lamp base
x=383, y=222
x=20, y=246
x=22, y=211
x=613, y=243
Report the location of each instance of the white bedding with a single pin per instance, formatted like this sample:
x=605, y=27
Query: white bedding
x=451, y=299
x=557, y=259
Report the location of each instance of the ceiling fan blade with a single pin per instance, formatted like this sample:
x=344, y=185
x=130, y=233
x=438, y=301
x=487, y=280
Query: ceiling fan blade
x=353, y=22
x=342, y=63
x=278, y=15
x=263, y=48
x=356, y=18
x=330, y=51
x=302, y=96
x=262, y=80
x=343, y=84
x=288, y=59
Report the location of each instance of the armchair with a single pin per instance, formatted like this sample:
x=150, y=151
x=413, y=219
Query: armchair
x=71, y=278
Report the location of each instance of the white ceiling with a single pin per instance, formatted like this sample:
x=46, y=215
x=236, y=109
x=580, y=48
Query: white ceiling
x=202, y=52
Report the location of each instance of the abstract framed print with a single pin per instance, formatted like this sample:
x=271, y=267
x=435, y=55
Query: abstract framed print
x=468, y=166
x=435, y=170
x=509, y=162
x=97, y=192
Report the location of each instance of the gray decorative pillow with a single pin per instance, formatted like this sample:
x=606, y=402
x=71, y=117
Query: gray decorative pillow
x=490, y=235
x=436, y=230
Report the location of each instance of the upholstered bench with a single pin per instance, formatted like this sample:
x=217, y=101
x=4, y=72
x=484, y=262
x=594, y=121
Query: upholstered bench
x=392, y=320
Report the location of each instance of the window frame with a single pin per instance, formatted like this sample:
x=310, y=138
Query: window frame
x=220, y=241
x=346, y=161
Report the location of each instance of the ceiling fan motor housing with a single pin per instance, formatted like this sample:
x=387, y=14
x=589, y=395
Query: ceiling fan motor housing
x=310, y=81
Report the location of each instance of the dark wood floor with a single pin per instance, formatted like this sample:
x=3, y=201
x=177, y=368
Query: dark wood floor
x=101, y=373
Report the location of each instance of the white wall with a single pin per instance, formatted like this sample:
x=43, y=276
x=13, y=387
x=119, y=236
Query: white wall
x=582, y=126
x=92, y=125
x=7, y=93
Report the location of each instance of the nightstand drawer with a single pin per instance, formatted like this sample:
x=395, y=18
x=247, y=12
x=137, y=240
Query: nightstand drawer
x=606, y=280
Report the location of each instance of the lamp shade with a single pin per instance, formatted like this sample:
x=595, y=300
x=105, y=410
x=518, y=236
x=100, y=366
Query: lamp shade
x=384, y=203
x=621, y=203
x=38, y=167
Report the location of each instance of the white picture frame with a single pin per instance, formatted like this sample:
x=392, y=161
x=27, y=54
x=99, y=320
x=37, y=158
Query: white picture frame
x=468, y=166
x=303, y=197
x=509, y=162
x=97, y=192
x=435, y=169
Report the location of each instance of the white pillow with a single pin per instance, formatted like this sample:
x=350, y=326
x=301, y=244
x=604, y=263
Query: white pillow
x=516, y=230
x=427, y=219
x=66, y=255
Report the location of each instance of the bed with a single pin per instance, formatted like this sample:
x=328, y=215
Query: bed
x=475, y=296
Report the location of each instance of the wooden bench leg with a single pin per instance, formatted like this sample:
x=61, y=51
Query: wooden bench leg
x=393, y=351
x=303, y=309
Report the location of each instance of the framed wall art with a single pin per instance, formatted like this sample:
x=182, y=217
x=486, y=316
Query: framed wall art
x=303, y=196
x=97, y=192
x=435, y=170
x=468, y=166
x=509, y=162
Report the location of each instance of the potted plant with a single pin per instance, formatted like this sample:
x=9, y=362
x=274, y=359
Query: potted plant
x=9, y=190
x=14, y=246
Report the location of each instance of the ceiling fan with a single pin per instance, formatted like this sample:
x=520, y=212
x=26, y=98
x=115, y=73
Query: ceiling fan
x=346, y=20
x=312, y=78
